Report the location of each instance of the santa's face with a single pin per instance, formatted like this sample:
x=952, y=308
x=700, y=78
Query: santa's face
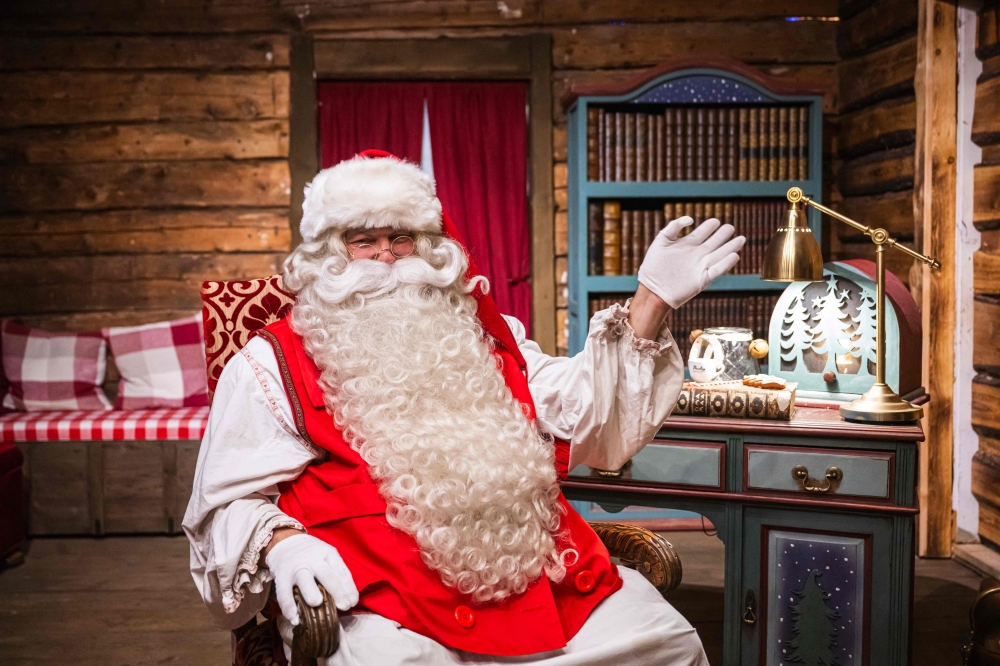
x=385, y=245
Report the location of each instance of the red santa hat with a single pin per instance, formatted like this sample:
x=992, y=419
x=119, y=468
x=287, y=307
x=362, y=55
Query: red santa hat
x=373, y=189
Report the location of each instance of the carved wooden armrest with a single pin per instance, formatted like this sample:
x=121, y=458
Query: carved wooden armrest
x=318, y=632
x=642, y=550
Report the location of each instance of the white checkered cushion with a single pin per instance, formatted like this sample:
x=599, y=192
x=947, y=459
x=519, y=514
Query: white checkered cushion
x=47, y=371
x=162, y=364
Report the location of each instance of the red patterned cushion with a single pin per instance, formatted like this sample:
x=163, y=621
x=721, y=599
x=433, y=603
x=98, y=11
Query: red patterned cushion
x=233, y=312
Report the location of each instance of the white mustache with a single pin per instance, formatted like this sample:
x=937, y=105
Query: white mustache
x=340, y=279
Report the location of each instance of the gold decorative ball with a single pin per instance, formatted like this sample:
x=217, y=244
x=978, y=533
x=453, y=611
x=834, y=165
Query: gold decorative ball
x=758, y=348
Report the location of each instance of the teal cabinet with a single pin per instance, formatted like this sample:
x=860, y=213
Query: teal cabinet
x=815, y=566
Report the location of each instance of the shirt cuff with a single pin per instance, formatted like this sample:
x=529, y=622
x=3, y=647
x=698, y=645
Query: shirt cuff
x=250, y=577
x=614, y=321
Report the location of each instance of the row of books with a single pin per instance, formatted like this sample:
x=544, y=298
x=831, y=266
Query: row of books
x=618, y=238
x=751, y=311
x=699, y=143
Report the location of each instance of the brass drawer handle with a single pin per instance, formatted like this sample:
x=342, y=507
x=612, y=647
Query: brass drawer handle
x=614, y=473
x=801, y=474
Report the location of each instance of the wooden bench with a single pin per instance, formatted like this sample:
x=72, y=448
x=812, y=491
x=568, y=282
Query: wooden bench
x=107, y=472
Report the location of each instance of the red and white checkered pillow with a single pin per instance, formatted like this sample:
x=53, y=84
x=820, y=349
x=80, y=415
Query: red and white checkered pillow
x=49, y=371
x=162, y=364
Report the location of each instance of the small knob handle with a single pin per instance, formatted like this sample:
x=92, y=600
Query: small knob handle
x=829, y=377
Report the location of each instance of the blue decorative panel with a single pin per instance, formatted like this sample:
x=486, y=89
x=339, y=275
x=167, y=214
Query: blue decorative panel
x=700, y=89
x=829, y=326
x=816, y=598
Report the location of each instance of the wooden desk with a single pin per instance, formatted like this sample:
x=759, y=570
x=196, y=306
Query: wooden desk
x=815, y=566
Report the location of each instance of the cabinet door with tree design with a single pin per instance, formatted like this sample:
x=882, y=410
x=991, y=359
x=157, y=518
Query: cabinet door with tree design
x=816, y=590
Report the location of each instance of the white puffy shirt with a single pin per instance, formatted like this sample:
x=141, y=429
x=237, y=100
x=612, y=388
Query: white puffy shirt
x=608, y=401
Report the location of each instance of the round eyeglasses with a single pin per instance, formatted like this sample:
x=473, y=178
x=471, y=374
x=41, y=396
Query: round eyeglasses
x=401, y=246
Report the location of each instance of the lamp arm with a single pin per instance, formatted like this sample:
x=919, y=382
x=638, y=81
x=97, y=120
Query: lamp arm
x=879, y=236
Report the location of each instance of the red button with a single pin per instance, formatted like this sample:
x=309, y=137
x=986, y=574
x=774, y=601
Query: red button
x=585, y=581
x=464, y=617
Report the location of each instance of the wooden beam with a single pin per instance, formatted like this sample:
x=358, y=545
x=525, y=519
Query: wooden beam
x=892, y=211
x=303, y=158
x=879, y=23
x=884, y=171
x=543, y=279
x=890, y=124
x=986, y=335
x=934, y=208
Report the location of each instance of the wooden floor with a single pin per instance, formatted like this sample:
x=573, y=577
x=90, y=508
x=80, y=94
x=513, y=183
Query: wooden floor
x=129, y=601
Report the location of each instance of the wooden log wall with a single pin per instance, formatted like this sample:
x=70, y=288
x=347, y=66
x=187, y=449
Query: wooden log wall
x=986, y=278
x=160, y=128
x=874, y=141
x=132, y=167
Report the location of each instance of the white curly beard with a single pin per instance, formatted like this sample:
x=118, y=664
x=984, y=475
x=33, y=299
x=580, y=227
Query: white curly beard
x=416, y=390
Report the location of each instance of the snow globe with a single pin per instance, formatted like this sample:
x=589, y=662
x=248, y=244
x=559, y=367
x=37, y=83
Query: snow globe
x=822, y=335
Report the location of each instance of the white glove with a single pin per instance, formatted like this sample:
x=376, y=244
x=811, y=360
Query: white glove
x=678, y=268
x=302, y=560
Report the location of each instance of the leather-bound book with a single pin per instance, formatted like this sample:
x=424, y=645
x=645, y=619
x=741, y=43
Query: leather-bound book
x=754, y=143
x=629, y=147
x=648, y=230
x=595, y=239
x=659, y=220
x=612, y=256
x=627, y=242
x=793, y=144
x=773, y=143
x=669, y=145
x=690, y=128
x=669, y=214
x=608, y=122
x=711, y=154
x=699, y=146
x=680, y=144
x=619, y=146
x=641, y=141
x=593, y=151
x=804, y=143
x=638, y=239
x=783, y=143
x=732, y=145
x=722, y=145
x=661, y=146
x=699, y=212
x=654, y=127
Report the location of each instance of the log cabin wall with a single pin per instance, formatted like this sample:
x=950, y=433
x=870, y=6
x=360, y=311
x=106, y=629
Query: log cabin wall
x=145, y=144
x=134, y=166
x=986, y=278
x=876, y=133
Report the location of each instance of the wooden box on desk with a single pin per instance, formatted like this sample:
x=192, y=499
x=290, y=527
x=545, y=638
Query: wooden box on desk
x=854, y=530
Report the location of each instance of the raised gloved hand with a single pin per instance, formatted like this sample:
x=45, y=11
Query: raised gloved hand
x=678, y=268
x=302, y=560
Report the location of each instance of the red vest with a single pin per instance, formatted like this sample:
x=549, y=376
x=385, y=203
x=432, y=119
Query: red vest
x=338, y=502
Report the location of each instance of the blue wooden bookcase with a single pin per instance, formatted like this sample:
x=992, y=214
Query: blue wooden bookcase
x=677, y=82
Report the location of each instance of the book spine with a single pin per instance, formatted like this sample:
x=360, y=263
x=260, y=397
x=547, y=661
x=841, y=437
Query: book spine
x=711, y=152
x=654, y=131
x=690, y=127
x=668, y=214
x=641, y=142
x=659, y=221
x=629, y=147
x=699, y=212
x=662, y=132
x=804, y=143
x=783, y=143
x=699, y=146
x=793, y=144
x=648, y=230
x=754, y=144
x=732, y=145
x=608, y=122
x=668, y=145
x=612, y=238
x=773, y=143
x=595, y=239
x=638, y=238
x=619, y=147
x=626, y=243
x=593, y=156
x=722, y=146
x=744, y=144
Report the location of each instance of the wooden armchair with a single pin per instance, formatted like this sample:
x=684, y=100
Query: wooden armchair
x=232, y=311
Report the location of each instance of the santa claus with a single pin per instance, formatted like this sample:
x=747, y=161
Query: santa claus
x=399, y=442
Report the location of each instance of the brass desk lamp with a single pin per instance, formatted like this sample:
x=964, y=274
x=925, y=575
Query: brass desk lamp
x=793, y=255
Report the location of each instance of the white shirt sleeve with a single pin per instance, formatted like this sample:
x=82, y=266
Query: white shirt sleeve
x=249, y=447
x=609, y=400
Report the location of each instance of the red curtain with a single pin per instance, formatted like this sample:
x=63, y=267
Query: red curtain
x=356, y=116
x=479, y=141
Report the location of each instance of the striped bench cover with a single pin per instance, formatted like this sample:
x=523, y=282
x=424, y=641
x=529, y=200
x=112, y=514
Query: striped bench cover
x=75, y=426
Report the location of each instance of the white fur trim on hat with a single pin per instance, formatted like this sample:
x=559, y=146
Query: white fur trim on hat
x=369, y=193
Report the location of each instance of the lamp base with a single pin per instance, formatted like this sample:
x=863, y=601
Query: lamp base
x=880, y=404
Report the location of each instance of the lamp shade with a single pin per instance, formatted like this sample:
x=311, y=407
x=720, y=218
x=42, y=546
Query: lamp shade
x=793, y=255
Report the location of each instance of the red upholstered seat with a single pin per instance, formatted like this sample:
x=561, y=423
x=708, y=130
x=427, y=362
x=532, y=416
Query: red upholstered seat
x=233, y=312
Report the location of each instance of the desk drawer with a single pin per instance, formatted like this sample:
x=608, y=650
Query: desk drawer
x=673, y=463
x=819, y=472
